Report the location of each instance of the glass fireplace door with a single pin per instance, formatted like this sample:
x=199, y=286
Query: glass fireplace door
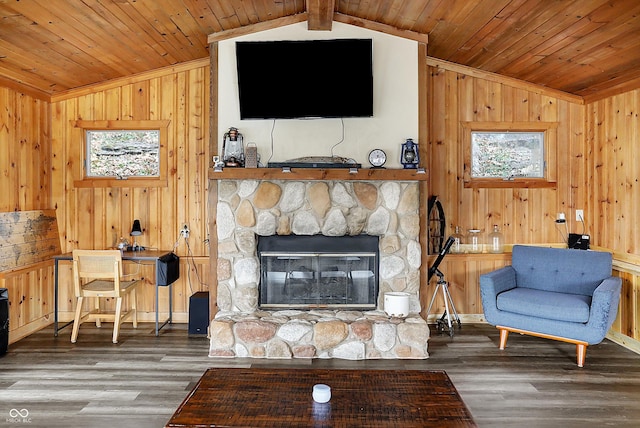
x=324, y=280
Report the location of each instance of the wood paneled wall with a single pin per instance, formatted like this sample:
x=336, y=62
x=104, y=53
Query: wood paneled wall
x=24, y=152
x=462, y=273
x=598, y=171
x=97, y=217
x=525, y=215
x=613, y=161
x=613, y=211
x=25, y=182
x=626, y=328
x=30, y=298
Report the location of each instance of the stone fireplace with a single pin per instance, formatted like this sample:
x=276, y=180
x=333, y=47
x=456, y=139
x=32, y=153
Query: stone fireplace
x=248, y=210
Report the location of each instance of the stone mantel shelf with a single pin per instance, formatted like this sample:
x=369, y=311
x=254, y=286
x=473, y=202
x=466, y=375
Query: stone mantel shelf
x=324, y=174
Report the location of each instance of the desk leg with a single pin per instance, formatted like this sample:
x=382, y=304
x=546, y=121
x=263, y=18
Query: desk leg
x=170, y=319
x=170, y=303
x=55, y=297
x=157, y=306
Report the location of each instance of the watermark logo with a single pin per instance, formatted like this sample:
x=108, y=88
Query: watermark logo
x=19, y=416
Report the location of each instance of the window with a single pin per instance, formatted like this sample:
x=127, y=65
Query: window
x=509, y=154
x=123, y=153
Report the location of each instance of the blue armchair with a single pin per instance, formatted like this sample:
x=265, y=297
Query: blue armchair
x=555, y=293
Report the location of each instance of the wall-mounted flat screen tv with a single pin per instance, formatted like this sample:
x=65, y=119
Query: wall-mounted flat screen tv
x=305, y=79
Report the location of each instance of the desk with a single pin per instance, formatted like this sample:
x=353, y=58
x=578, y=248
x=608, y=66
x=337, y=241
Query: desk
x=262, y=397
x=154, y=256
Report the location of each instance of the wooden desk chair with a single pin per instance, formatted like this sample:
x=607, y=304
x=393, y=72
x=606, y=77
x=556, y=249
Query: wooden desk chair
x=98, y=274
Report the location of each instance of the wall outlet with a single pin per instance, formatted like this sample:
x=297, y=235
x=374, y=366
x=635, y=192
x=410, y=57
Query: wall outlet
x=579, y=215
x=184, y=232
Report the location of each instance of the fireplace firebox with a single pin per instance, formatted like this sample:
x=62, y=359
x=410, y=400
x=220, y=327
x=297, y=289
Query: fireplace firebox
x=308, y=272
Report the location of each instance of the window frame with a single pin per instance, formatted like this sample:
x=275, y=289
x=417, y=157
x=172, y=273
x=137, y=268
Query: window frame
x=122, y=125
x=549, y=178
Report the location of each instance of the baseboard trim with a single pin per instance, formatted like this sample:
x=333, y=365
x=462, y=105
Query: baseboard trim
x=624, y=341
x=28, y=329
x=464, y=318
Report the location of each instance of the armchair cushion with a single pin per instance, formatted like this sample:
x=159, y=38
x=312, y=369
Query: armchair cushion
x=545, y=304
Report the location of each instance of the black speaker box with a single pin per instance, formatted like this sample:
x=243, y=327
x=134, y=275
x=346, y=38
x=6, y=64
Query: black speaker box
x=4, y=320
x=199, y=313
x=168, y=270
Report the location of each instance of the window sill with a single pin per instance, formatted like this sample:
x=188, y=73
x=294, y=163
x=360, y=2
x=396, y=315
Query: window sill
x=534, y=183
x=113, y=182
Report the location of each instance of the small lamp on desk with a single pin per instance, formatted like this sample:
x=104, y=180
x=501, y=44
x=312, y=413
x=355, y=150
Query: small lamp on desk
x=136, y=231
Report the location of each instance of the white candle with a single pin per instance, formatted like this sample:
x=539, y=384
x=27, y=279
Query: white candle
x=321, y=393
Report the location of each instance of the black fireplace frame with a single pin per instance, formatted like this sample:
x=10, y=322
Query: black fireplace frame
x=321, y=246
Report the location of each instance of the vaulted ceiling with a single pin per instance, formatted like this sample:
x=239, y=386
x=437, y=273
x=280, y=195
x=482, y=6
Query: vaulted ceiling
x=589, y=48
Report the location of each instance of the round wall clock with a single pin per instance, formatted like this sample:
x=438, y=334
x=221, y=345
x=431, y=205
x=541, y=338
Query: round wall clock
x=377, y=158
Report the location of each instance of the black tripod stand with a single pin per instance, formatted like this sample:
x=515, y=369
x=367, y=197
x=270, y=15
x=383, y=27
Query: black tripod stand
x=444, y=323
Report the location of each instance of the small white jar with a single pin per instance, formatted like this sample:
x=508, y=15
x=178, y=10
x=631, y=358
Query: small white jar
x=321, y=393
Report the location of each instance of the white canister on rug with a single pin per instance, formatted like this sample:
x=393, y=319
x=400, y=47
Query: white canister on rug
x=396, y=304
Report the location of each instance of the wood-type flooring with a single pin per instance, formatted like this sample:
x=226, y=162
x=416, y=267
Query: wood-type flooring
x=46, y=381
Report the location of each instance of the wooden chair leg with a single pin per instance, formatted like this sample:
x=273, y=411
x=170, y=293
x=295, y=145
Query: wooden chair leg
x=504, y=335
x=96, y=301
x=76, y=320
x=117, y=319
x=132, y=297
x=581, y=353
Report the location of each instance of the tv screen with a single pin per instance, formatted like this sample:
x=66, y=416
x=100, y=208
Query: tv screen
x=305, y=79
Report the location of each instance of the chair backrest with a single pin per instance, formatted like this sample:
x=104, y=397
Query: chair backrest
x=97, y=264
x=560, y=269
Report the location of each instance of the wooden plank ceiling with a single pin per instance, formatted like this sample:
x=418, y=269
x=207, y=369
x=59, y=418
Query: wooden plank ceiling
x=589, y=48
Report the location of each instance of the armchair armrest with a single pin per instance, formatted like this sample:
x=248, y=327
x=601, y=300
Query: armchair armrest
x=492, y=284
x=499, y=280
x=604, y=304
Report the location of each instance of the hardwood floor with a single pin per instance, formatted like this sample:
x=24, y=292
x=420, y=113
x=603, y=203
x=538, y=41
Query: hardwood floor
x=140, y=381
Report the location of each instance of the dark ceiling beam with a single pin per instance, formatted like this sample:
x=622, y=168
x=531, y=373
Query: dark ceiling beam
x=320, y=14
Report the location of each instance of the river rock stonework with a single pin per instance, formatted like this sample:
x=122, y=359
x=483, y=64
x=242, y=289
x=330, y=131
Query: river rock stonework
x=350, y=335
x=248, y=209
